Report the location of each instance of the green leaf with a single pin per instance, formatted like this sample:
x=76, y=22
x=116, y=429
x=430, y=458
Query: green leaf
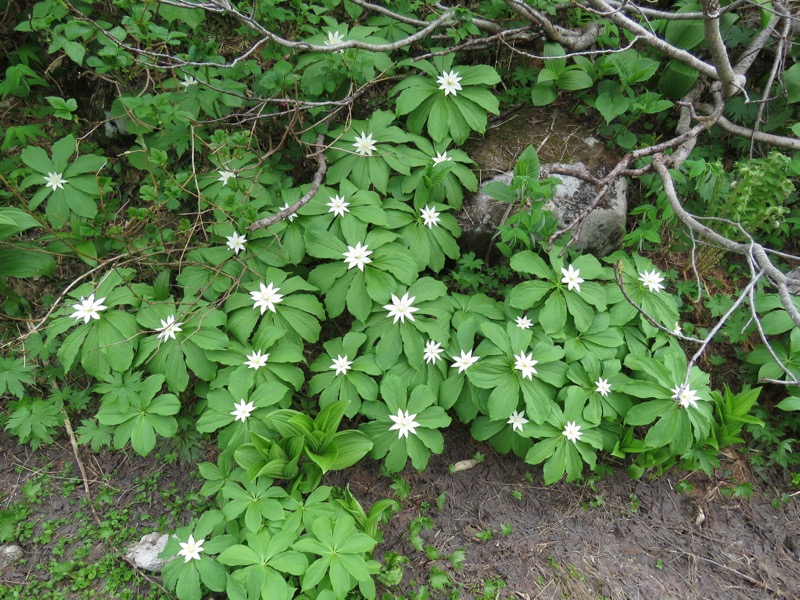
x=647, y=412
x=25, y=261
x=543, y=94
x=71, y=346
x=351, y=446
x=611, y=106
x=553, y=316
x=412, y=97
x=791, y=77
x=37, y=159
x=14, y=374
x=14, y=220
x=532, y=264
x=791, y=403
x=573, y=80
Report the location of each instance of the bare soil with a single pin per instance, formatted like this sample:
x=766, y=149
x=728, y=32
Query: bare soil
x=610, y=537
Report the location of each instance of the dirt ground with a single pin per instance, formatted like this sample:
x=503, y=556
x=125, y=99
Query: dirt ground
x=614, y=538
x=610, y=537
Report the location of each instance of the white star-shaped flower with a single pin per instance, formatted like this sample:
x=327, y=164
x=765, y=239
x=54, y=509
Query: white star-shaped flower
x=685, y=396
x=191, y=549
x=401, y=308
x=168, y=329
x=432, y=351
x=525, y=364
x=188, y=81
x=364, y=144
x=224, y=176
x=341, y=364
x=603, y=387
x=236, y=242
x=242, y=410
x=338, y=206
x=517, y=420
x=404, y=423
x=334, y=37
x=652, y=280
x=465, y=361
x=572, y=431
x=572, y=277
x=88, y=308
x=440, y=158
x=429, y=216
x=449, y=82
x=292, y=216
x=677, y=330
x=266, y=297
x=256, y=360
x=55, y=181
x=358, y=256
x=523, y=322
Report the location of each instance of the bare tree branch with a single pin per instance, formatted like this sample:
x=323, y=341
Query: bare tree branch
x=316, y=182
x=748, y=57
x=759, y=136
x=776, y=276
x=607, y=181
x=731, y=82
x=653, y=13
x=777, y=63
x=653, y=40
x=575, y=40
x=723, y=319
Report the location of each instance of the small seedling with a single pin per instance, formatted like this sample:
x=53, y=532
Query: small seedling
x=440, y=500
x=742, y=490
x=683, y=487
x=401, y=488
x=506, y=528
x=479, y=458
x=457, y=558
x=486, y=534
x=596, y=503
x=516, y=495
x=635, y=503
x=415, y=527
x=659, y=564
x=439, y=579
x=391, y=572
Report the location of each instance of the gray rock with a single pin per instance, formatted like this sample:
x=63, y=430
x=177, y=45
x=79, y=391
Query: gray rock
x=560, y=142
x=9, y=554
x=145, y=552
x=604, y=227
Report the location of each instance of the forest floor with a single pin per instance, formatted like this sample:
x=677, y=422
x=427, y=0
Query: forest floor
x=489, y=531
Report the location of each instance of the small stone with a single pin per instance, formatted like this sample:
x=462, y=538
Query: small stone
x=9, y=554
x=463, y=465
x=144, y=553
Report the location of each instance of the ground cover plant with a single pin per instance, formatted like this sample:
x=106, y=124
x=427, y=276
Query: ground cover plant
x=242, y=249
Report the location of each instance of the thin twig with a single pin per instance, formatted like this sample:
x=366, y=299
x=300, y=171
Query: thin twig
x=712, y=334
